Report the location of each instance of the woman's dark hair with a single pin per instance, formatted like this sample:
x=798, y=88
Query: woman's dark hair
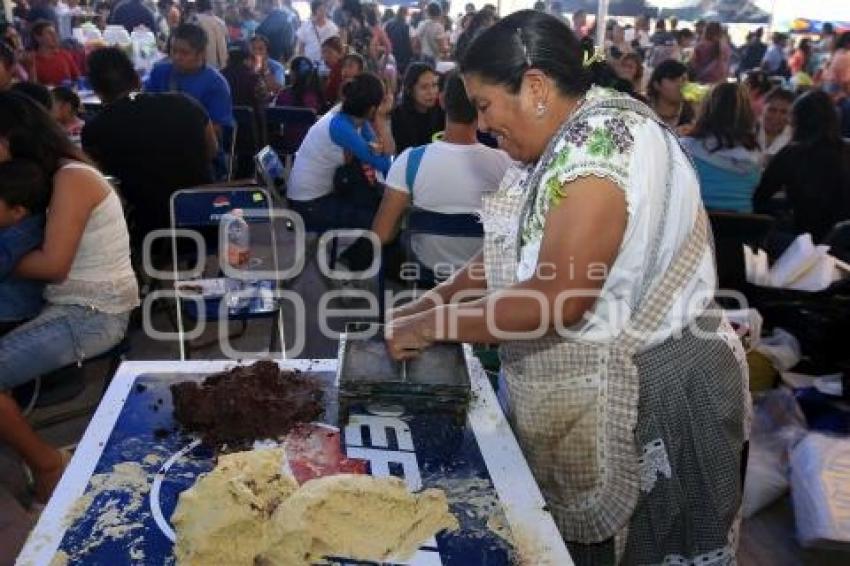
x=434, y=10
x=23, y=183
x=361, y=94
x=305, y=79
x=262, y=39
x=34, y=91
x=334, y=43
x=815, y=119
x=758, y=82
x=411, y=77
x=111, y=73
x=726, y=116
x=33, y=134
x=669, y=69
x=528, y=40
x=68, y=96
x=805, y=46
x=843, y=41
x=355, y=58
x=192, y=34
x=237, y=54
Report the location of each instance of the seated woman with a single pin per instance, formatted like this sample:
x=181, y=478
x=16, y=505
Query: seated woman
x=419, y=116
x=664, y=92
x=723, y=146
x=270, y=71
x=356, y=132
x=85, y=258
x=813, y=170
x=304, y=90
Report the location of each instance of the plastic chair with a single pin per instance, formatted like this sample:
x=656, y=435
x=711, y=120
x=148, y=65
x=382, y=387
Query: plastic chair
x=287, y=126
x=731, y=231
x=201, y=209
x=228, y=143
x=246, y=142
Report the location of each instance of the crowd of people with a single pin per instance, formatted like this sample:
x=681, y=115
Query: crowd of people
x=414, y=111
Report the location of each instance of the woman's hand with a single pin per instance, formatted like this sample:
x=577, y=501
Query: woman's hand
x=407, y=336
x=386, y=107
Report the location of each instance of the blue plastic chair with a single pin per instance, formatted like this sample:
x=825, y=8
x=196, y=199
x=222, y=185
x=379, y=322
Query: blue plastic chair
x=201, y=209
x=287, y=126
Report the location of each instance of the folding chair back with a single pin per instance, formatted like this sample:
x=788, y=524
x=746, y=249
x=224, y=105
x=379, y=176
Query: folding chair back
x=287, y=126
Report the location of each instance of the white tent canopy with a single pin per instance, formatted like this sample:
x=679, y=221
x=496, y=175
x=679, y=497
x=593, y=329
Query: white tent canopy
x=784, y=11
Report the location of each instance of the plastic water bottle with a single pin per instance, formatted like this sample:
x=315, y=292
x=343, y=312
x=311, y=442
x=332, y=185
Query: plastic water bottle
x=238, y=253
x=238, y=238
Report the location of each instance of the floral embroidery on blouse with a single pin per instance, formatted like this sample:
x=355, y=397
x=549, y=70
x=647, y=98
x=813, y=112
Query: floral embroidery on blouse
x=599, y=145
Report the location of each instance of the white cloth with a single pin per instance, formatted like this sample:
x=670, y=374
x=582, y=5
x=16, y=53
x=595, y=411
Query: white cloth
x=101, y=274
x=645, y=173
x=317, y=159
x=780, y=141
x=216, y=39
x=451, y=180
x=312, y=37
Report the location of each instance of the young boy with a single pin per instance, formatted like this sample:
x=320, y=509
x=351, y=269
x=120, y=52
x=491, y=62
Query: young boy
x=24, y=193
x=66, y=110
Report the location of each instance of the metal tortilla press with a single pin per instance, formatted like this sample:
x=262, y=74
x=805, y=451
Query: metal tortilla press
x=436, y=381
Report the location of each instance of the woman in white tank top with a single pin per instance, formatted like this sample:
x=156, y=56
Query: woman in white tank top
x=85, y=258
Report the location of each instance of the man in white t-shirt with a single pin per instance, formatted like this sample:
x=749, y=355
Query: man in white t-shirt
x=313, y=33
x=451, y=178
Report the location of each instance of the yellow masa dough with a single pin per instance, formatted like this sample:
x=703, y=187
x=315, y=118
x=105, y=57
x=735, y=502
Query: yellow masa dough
x=224, y=517
x=355, y=516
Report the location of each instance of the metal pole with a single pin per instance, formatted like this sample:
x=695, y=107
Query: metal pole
x=601, y=16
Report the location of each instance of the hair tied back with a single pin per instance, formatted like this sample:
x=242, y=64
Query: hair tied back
x=524, y=47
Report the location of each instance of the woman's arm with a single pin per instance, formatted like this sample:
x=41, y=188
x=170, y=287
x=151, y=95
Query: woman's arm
x=581, y=240
x=344, y=135
x=76, y=192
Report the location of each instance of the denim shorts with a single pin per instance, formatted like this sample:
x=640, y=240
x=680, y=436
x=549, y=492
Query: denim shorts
x=61, y=335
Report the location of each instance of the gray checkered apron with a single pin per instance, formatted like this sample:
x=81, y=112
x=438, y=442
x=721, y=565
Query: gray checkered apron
x=596, y=422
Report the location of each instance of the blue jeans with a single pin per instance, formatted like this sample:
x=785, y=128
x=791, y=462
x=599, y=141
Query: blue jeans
x=59, y=336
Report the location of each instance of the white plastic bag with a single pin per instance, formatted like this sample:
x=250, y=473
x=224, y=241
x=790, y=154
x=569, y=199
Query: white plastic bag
x=778, y=424
x=820, y=490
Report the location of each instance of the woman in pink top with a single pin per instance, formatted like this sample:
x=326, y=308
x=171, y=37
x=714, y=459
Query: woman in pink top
x=711, y=56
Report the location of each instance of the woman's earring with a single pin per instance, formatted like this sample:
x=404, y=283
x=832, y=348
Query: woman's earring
x=541, y=109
